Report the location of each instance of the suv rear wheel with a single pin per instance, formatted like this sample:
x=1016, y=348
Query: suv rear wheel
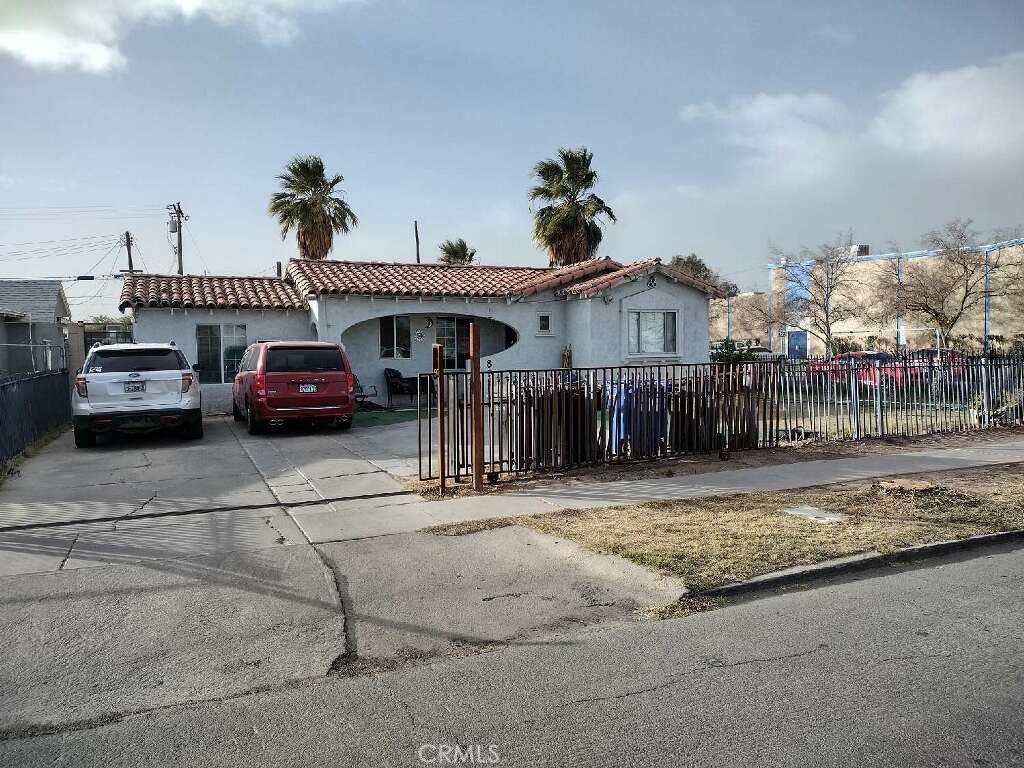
x=84, y=438
x=237, y=414
x=194, y=429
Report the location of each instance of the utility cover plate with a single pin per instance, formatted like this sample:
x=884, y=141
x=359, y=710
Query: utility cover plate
x=815, y=514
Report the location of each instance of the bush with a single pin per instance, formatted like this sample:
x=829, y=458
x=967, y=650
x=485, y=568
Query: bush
x=729, y=352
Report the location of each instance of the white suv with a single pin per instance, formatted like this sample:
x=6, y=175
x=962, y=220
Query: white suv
x=135, y=388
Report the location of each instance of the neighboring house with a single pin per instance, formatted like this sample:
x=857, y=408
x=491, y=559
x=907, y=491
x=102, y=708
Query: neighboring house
x=389, y=315
x=33, y=316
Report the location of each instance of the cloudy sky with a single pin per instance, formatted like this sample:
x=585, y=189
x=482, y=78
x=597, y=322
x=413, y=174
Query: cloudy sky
x=716, y=127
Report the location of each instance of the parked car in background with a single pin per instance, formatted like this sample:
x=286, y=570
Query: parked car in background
x=135, y=388
x=281, y=381
x=869, y=368
x=934, y=356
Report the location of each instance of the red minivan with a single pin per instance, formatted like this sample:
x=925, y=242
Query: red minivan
x=279, y=381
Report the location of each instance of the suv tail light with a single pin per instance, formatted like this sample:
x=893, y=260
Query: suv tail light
x=350, y=382
x=186, y=381
x=260, y=383
x=82, y=386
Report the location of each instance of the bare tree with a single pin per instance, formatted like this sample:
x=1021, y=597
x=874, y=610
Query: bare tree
x=820, y=289
x=949, y=283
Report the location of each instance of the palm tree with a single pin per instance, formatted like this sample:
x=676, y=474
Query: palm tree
x=568, y=226
x=311, y=202
x=456, y=252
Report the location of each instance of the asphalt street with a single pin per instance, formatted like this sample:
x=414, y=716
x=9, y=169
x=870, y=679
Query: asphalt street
x=913, y=666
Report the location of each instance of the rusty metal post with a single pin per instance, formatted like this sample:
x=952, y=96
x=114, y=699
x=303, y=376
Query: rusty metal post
x=477, y=406
x=438, y=362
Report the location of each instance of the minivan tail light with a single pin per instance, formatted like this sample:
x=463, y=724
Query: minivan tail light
x=82, y=386
x=350, y=382
x=260, y=382
x=186, y=381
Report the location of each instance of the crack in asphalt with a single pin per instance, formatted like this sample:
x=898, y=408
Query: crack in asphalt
x=343, y=598
x=916, y=657
x=719, y=664
x=712, y=663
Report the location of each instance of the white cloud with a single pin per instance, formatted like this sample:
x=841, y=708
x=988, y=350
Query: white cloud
x=85, y=33
x=968, y=112
x=806, y=167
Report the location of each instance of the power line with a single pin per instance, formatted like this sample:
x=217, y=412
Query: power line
x=116, y=245
x=199, y=253
x=45, y=253
x=63, y=240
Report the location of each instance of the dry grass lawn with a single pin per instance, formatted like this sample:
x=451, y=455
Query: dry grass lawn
x=717, y=540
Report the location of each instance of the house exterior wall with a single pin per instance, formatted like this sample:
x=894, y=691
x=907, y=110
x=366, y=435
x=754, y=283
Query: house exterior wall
x=595, y=328
x=355, y=323
x=179, y=325
x=609, y=337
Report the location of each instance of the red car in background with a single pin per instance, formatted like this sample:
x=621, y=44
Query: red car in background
x=870, y=368
x=281, y=381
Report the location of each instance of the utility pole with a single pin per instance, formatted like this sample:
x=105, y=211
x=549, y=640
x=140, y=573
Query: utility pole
x=177, y=217
x=128, y=247
x=416, y=230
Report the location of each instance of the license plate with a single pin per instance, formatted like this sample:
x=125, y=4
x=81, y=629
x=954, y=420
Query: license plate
x=134, y=386
x=307, y=388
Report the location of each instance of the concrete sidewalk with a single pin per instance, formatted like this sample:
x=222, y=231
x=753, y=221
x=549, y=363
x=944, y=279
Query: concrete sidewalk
x=356, y=520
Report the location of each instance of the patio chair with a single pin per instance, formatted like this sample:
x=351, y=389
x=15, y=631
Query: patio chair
x=399, y=385
x=361, y=393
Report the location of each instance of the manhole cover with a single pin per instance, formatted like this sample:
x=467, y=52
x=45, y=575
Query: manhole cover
x=815, y=514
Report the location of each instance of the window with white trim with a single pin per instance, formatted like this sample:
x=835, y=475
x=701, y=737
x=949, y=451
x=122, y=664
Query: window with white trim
x=396, y=337
x=652, y=332
x=543, y=324
x=219, y=350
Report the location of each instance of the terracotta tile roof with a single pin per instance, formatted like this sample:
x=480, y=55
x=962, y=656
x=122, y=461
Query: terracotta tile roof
x=398, y=279
x=594, y=285
x=574, y=273
x=209, y=292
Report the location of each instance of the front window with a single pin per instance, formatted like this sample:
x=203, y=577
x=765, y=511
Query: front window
x=652, y=333
x=219, y=350
x=396, y=337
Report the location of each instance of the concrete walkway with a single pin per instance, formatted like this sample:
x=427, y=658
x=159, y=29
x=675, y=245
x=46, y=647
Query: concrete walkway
x=403, y=514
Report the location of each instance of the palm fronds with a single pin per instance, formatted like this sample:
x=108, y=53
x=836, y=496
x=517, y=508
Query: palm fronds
x=311, y=203
x=568, y=227
x=456, y=252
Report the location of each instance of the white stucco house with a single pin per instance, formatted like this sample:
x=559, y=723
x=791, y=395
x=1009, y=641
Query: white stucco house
x=388, y=315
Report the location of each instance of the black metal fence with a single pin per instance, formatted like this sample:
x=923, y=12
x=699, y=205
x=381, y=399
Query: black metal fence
x=30, y=406
x=853, y=399
x=544, y=420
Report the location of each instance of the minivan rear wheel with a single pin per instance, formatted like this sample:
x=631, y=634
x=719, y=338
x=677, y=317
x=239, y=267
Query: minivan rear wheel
x=253, y=426
x=237, y=414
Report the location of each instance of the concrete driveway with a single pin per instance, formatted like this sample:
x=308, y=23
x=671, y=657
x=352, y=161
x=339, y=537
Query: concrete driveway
x=158, y=496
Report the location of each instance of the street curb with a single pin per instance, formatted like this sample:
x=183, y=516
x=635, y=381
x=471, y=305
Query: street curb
x=854, y=563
